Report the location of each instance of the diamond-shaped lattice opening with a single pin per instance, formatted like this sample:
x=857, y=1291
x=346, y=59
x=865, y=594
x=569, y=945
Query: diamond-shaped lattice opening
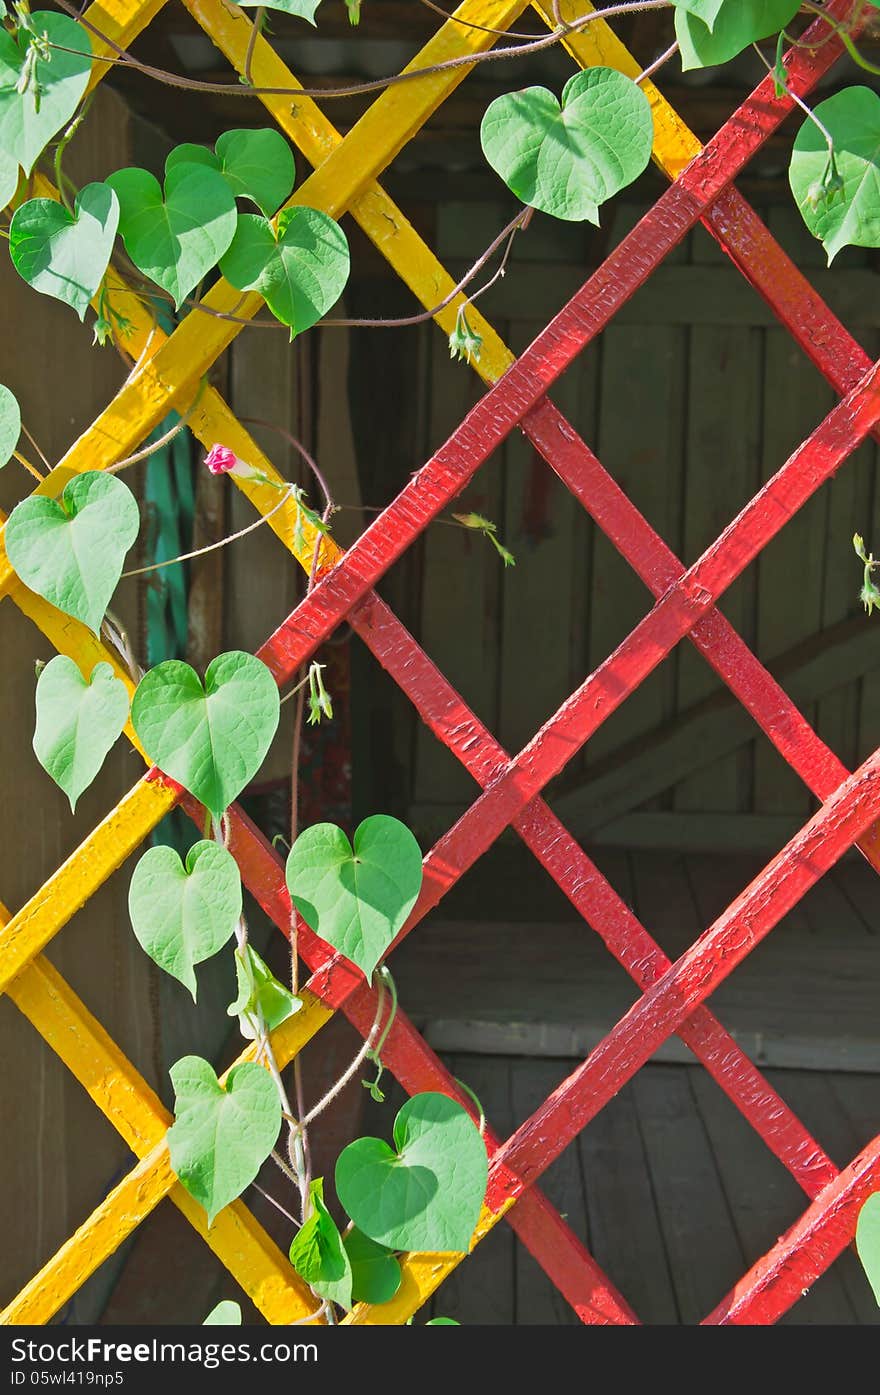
x=675, y=1001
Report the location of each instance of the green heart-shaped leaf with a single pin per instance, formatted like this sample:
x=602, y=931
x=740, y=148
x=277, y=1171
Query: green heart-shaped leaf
x=427, y=1195
x=8, y=176
x=10, y=424
x=375, y=1272
x=212, y=738
x=260, y=996
x=868, y=1241
x=841, y=206
x=442, y=1322
x=318, y=1254
x=225, y=1314
x=180, y=914
x=300, y=274
x=29, y=120
x=301, y=9
x=71, y=550
x=356, y=900
x=257, y=165
x=178, y=238
x=77, y=722
x=567, y=160
x=734, y=28
x=706, y=10
x=64, y=254
x=221, y=1136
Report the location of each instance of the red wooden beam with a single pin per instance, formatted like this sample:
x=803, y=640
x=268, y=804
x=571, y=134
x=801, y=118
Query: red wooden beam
x=445, y=714
x=799, y=1257
x=658, y=567
x=522, y=387
x=561, y=1254
x=678, y=610
x=696, y=974
x=684, y=597
x=798, y=306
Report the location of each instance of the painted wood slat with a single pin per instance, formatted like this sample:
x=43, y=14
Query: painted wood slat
x=131, y=1106
x=694, y=976
x=439, y=707
x=692, y=195
x=676, y=613
x=106, y=848
x=416, y=1067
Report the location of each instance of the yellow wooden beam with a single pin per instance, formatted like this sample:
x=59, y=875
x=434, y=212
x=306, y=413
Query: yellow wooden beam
x=170, y=376
x=121, y=21
x=393, y=235
x=136, y=1112
x=421, y=1275
x=97, y=858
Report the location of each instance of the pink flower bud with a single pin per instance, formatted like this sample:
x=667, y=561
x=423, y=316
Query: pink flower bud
x=220, y=460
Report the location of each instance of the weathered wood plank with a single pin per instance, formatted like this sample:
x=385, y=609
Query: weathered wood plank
x=678, y=295
x=789, y=601
x=830, y=913
x=815, y=1101
x=551, y=537
x=715, y=727
x=625, y=1232
x=459, y=595
x=642, y=449
x=537, y=1301
x=703, y=1250
x=482, y=1290
x=698, y=833
x=763, y=1198
x=859, y=883
x=721, y=476
x=664, y=901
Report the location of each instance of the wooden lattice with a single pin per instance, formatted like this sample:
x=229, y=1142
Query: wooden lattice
x=673, y=995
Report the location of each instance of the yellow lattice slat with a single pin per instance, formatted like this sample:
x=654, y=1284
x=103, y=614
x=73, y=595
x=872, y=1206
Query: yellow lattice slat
x=377, y=214
x=121, y=21
x=169, y=377
x=97, y=858
x=142, y=1120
